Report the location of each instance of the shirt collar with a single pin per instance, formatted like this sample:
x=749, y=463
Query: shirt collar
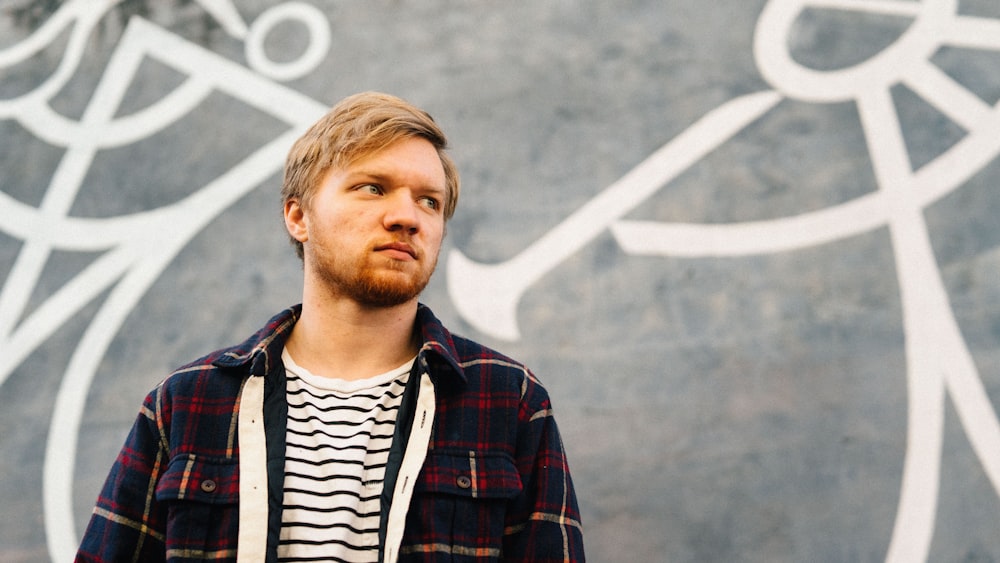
x=261, y=353
x=438, y=353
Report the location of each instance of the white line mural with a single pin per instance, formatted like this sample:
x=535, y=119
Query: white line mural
x=937, y=357
x=127, y=266
x=487, y=295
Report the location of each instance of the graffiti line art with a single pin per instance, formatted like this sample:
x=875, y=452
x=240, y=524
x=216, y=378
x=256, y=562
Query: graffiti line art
x=937, y=357
x=129, y=265
x=939, y=364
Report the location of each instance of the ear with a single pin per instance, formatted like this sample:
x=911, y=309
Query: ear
x=295, y=220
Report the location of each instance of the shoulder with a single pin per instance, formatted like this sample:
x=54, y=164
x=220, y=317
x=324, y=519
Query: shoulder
x=199, y=381
x=472, y=354
x=220, y=373
x=490, y=370
x=482, y=369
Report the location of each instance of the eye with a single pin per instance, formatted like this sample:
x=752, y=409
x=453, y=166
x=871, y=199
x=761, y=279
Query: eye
x=370, y=189
x=430, y=203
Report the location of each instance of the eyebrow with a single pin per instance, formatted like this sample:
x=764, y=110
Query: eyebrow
x=382, y=179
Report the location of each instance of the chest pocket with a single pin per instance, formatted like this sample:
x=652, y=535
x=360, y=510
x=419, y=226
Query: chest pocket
x=470, y=474
x=463, y=497
x=201, y=499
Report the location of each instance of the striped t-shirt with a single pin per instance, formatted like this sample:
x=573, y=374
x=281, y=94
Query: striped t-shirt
x=338, y=439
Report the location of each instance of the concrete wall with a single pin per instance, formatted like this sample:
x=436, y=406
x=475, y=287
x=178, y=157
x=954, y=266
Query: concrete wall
x=750, y=246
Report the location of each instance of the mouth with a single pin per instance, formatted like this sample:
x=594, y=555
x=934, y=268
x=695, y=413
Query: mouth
x=398, y=250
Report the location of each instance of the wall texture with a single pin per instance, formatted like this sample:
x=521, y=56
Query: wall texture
x=750, y=246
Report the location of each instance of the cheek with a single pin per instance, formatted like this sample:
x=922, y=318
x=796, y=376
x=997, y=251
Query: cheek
x=435, y=236
x=330, y=225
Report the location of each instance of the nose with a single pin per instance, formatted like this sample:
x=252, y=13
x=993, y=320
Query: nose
x=401, y=213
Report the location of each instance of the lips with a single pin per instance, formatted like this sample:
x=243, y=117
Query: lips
x=398, y=248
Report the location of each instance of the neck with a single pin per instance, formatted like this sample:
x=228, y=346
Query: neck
x=347, y=340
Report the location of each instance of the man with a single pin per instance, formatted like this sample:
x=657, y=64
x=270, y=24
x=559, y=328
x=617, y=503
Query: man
x=354, y=427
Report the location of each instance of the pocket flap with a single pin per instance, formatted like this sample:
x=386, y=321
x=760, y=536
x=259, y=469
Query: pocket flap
x=470, y=474
x=189, y=477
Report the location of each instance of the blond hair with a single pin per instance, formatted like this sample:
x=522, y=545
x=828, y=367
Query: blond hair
x=358, y=126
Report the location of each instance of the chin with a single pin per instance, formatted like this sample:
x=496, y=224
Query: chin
x=388, y=291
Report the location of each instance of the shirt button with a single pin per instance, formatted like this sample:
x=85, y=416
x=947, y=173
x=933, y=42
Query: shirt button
x=208, y=486
x=463, y=482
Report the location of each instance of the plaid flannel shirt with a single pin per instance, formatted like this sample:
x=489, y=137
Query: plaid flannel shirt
x=494, y=485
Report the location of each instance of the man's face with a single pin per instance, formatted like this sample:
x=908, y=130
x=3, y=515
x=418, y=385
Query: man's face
x=373, y=228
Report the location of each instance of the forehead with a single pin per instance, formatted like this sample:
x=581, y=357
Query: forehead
x=406, y=152
x=410, y=158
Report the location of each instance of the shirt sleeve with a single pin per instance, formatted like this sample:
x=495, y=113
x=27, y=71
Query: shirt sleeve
x=127, y=523
x=543, y=524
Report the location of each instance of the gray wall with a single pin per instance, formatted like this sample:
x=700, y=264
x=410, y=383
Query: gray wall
x=751, y=247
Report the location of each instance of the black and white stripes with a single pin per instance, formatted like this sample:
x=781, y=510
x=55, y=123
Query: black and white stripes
x=338, y=439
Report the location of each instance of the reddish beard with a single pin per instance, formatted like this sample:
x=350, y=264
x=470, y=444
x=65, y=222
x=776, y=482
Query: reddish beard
x=376, y=286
